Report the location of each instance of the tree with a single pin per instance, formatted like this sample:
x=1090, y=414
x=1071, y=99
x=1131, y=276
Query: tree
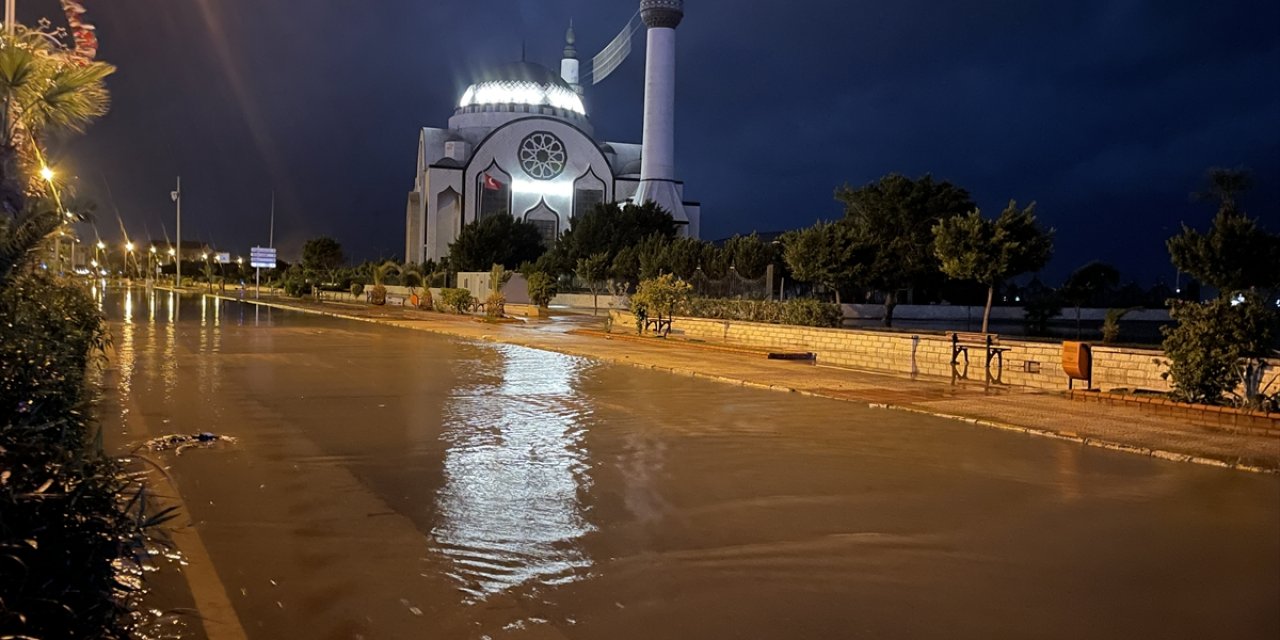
x=609, y=228
x=593, y=270
x=990, y=251
x=1225, y=341
x=380, y=273
x=891, y=224
x=749, y=256
x=821, y=254
x=496, y=239
x=44, y=89
x=684, y=256
x=1224, y=185
x=322, y=256
x=542, y=288
x=1087, y=283
x=654, y=256
x=1235, y=255
x=659, y=297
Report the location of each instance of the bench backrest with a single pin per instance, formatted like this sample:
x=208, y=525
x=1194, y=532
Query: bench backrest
x=974, y=338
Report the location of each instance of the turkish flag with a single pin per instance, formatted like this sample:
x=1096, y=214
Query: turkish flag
x=491, y=184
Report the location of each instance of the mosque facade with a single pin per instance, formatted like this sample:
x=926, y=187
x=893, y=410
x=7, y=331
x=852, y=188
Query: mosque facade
x=520, y=142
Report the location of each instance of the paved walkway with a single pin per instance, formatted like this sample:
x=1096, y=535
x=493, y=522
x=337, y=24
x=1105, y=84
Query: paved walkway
x=1040, y=413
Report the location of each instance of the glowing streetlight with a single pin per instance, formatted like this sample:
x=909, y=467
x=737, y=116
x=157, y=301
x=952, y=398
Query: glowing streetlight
x=153, y=248
x=102, y=245
x=128, y=246
x=46, y=173
x=204, y=256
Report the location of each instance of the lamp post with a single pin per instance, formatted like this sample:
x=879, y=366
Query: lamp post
x=151, y=263
x=176, y=195
x=128, y=253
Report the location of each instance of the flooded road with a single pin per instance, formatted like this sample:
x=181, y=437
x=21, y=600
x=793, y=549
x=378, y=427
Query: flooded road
x=389, y=483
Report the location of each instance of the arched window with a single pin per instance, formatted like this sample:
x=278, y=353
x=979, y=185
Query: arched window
x=493, y=192
x=546, y=220
x=588, y=191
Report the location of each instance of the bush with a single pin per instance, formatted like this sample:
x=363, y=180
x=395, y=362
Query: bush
x=804, y=312
x=357, y=288
x=425, y=301
x=455, y=299
x=493, y=305
x=542, y=288
x=660, y=297
x=65, y=523
x=378, y=294
x=1216, y=345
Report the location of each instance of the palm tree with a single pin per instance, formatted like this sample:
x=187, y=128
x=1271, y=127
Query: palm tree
x=378, y=295
x=44, y=88
x=21, y=236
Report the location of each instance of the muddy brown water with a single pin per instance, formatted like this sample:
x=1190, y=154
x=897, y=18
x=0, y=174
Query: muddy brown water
x=389, y=483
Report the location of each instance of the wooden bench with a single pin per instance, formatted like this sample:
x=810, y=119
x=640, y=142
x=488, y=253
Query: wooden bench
x=988, y=342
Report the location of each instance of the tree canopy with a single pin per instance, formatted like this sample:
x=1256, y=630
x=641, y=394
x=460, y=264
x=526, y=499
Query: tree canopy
x=496, y=239
x=891, y=222
x=609, y=228
x=1235, y=255
x=322, y=255
x=972, y=247
x=821, y=254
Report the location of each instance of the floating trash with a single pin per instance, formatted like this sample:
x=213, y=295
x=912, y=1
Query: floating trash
x=179, y=442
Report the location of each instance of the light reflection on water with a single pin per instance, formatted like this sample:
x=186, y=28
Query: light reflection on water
x=514, y=469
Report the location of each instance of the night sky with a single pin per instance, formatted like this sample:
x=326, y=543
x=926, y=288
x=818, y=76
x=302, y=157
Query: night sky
x=1106, y=112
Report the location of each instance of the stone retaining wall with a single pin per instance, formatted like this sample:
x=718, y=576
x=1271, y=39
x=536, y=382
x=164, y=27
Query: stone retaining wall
x=1027, y=363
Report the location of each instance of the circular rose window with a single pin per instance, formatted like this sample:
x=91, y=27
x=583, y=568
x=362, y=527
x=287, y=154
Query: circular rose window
x=542, y=155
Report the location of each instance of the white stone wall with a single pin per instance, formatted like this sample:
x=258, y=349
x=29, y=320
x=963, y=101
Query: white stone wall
x=1028, y=363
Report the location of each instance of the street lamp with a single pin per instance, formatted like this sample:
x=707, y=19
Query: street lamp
x=46, y=173
x=128, y=248
x=176, y=195
x=151, y=260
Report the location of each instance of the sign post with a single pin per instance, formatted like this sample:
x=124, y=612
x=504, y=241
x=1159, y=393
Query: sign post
x=261, y=258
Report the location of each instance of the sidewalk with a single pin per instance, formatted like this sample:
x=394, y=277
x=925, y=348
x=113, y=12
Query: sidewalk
x=1040, y=413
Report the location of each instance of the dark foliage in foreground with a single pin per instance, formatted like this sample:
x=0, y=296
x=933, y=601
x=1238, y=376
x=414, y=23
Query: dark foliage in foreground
x=70, y=538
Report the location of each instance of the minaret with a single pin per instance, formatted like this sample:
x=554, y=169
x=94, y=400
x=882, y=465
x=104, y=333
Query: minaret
x=657, y=159
x=569, y=64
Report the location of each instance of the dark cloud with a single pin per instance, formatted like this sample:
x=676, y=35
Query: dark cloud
x=1105, y=112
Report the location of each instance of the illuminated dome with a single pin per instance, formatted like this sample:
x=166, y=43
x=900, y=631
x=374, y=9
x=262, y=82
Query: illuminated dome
x=519, y=87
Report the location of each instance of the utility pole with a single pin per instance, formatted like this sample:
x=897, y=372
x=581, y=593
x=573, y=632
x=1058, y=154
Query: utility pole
x=10, y=16
x=176, y=194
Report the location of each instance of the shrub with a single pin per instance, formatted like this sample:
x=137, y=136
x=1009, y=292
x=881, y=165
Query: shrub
x=542, y=288
x=425, y=301
x=659, y=296
x=455, y=299
x=1111, y=324
x=493, y=305
x=1216, y=345
x=800, y=311
x=71, y=541
x=378, y=294
x=357, y=288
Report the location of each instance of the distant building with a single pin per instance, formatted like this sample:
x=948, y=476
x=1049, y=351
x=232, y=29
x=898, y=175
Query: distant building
x=520, y=142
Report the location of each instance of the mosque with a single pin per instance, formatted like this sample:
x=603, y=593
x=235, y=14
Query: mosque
x=520, y=142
